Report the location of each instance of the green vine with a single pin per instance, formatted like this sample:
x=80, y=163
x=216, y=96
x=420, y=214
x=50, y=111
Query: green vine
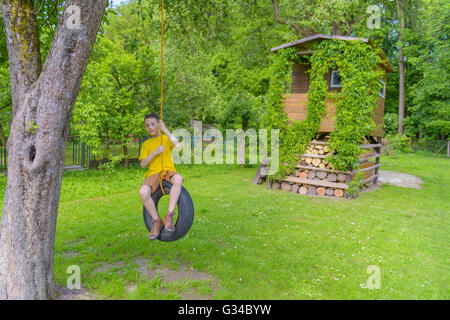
x=359, y=68
x=281, y=64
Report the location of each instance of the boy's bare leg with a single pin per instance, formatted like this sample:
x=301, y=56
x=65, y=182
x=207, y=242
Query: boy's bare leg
x=177, y=181
x=145, y=192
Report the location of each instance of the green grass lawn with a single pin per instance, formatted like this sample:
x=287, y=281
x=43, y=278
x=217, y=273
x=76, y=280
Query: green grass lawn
x=257, y=243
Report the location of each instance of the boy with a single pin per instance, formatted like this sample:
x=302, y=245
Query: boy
x=155, y=155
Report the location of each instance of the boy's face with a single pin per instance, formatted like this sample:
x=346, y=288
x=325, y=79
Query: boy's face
x=152, y=126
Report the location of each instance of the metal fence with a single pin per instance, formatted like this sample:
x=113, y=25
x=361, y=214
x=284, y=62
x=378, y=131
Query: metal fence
x=80, y=154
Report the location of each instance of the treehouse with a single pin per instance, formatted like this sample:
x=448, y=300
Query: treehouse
x=313, y=174
x=296, y=100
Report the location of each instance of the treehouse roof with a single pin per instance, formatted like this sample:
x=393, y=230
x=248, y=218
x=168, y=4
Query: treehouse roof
x=319, y=37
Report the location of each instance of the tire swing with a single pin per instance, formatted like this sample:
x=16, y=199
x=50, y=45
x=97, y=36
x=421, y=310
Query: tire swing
x=185, y=214
x=185, y=204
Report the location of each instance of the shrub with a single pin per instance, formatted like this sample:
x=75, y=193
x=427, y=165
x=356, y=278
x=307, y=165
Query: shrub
x=400, y=143
x=390, y=123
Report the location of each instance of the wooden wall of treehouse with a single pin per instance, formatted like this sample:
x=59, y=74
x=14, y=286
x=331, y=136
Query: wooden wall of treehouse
x=295, y=102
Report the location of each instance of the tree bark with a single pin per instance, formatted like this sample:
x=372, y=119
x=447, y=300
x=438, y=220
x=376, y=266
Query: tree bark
x=36, y=154
x=401, y=70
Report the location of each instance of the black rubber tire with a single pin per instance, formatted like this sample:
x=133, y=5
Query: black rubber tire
x=185, y=214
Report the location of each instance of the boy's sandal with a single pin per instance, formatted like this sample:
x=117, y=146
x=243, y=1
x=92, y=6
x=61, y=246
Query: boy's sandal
x=168, y=222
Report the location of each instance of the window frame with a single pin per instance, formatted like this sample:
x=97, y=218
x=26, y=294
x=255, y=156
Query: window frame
x=383, y=94
x=333, y=72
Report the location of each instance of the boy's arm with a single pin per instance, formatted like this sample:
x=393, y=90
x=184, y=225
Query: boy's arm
x=171, y=137
x=145, y=162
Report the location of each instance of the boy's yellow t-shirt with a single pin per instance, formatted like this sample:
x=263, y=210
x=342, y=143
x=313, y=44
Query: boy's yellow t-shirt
x=155, y=165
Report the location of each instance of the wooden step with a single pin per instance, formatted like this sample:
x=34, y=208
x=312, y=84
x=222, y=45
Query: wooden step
x=299, y=108
x=303, y=96
x=292, y=102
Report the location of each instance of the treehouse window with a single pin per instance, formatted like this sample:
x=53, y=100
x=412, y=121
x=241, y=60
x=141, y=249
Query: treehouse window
x=382, y=92
x=335, y=79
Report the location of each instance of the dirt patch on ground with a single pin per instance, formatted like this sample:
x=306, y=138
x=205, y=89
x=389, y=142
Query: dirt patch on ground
x=65, y=293
x=110, y=266
x=77, y=241
x=70, y=254
x=168, y=275
x=400, y=179
x=184, y=272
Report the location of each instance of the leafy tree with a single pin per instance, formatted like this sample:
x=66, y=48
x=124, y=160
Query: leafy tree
x=108, y=107
x=431, y=57
x=309, y=17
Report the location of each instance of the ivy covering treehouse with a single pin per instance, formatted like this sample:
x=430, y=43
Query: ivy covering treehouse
x=332, y=116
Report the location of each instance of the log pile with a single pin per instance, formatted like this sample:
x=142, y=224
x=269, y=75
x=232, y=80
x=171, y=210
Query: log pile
x=315, y=176
x=304, y=188
x=315, y=156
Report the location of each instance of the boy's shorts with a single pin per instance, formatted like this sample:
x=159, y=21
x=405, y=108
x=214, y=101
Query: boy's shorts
x=153, y=180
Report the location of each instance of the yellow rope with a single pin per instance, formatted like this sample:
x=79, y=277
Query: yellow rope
x=162, y=55
x=162, y=176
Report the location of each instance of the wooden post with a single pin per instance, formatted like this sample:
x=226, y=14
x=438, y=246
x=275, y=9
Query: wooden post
x=377, y=161
x=448, y=148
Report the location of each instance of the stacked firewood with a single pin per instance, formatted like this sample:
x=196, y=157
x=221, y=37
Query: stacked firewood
x=308, y=189
x=314, y=175
x=315, y=156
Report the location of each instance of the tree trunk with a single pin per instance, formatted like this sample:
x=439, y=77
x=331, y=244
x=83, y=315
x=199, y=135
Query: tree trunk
x=36, y=155
x=401, y=70
x=107, y=146
x=401, y=94
x=245, y=122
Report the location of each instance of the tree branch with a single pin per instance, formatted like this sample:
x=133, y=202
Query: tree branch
x=133, y=85
x=277, y=17
x=116, y=77
x=351, y=23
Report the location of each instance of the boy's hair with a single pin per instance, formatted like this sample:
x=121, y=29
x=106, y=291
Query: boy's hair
x=152, y=116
